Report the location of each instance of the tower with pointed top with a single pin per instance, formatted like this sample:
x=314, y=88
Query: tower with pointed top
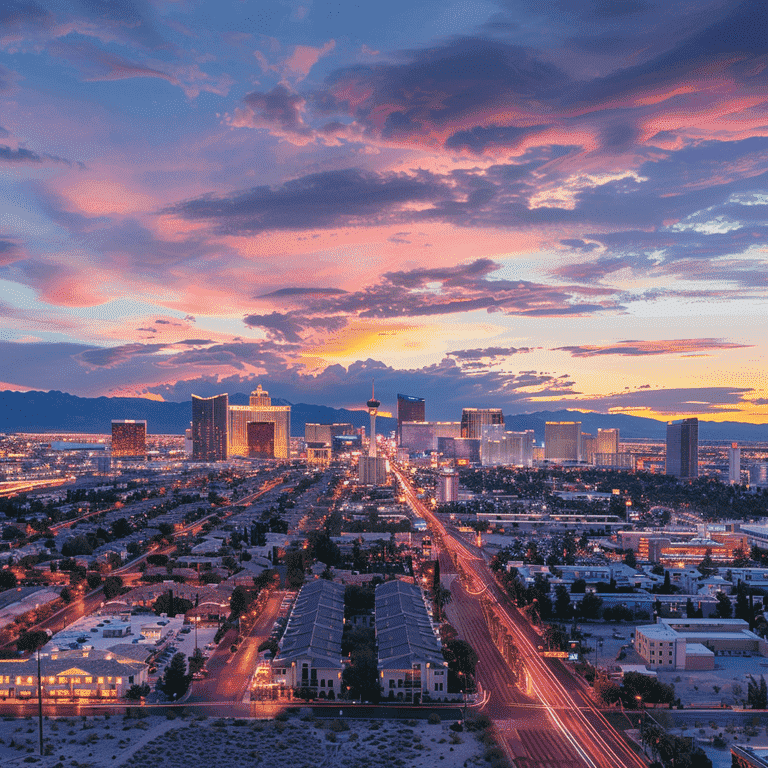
x=372, y=469
x=373, y=408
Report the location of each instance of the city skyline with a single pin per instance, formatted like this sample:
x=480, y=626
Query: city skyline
x=488, y=205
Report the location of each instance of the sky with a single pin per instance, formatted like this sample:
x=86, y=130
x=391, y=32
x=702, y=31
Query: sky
x=500, y=203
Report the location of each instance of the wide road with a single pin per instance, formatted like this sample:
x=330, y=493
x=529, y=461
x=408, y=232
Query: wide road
x=228, y=673
x=558, y=726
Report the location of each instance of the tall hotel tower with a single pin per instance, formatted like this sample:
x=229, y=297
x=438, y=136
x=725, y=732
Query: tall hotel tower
x=409, y=408
x=129, y=439
x=474, y=419
x=259, y=429
x=683, y=448
x=209, y=428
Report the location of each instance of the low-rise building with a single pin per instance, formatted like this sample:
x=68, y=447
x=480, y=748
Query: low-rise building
x=411, y=663
x=309, y=656
x=69, y=675
x=693, y=643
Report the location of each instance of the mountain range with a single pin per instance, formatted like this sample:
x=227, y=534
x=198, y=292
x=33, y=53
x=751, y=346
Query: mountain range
x=61, y=412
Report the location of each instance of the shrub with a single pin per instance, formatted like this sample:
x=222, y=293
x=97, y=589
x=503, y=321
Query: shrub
x=434, y=718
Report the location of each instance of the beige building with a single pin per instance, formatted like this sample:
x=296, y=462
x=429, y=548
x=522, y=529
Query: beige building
x=69, y=675
x=259, y=410
x=693, y=643
x=562, y=441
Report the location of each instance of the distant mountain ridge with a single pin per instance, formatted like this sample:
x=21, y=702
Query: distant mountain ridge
x=61, y=412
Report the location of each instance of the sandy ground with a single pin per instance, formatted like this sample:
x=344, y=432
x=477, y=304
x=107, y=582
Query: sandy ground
x=298, y=742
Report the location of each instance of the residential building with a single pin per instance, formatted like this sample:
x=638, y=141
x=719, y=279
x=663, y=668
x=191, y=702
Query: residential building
x=411, y=663
x=310, y=649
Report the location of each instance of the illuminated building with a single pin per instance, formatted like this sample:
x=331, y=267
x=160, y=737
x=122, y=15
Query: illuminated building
x=474, y=419
x=447, y=487
x=422, y=436
x=259, y=410
x=372, y=469
x=682, y=459
x=321, y=440
x=129, y=439
x=562, y=441
x=734, y=464
x=261, y=439
x=409, y=408
x=209, y=428
x=607, y=441
x=501, y=448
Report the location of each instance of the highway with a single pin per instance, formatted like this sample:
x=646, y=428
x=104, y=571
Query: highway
x=546, y=719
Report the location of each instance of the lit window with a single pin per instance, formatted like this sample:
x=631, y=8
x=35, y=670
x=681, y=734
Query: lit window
x=119, y=681
x=88, y=679
x=101, y=681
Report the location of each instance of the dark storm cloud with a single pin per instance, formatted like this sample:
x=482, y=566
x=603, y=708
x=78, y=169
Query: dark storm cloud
x=643, y=348
x=290, y=326
x=445, y=385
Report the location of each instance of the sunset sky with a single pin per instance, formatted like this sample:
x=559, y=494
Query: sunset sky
x=501, y=203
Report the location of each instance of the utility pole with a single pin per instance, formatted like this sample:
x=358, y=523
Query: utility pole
x=39, y=702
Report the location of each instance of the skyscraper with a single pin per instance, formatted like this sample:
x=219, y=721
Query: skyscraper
x=409, y=408
x=209, y=428
x=734, y=464
x=683, y=448
x=474, y=419
x=129, y=439
x=259, y=410
x=562, y=441
x=607, y=441
x=373, y=408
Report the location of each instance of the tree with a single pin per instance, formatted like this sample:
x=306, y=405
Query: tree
x=462, y=662
x=121, y=528
x=171, y=605
x=66, y=595
x=723, y=609
x=76, y=545
x=589, y=606
x=240, y=600
x=742, y=609
x=757, y=693
x=8, y=579
x=707, y=565
x=740, y=558
x=442, y=597
x=630, y=559
x=562, y=605
x=322, y=548
x=196, y=661
x=31, y=641
x=113, y=586
x=578, y=587
x=136, y=692
x=175, y=681
x=294, y=562
x=606, y=690
x=93, y=579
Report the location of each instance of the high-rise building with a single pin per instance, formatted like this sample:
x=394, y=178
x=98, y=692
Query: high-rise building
x=209, y=428
x=474, y=419
x=501, y=448
x=682, y=458
x=259, y=410
x=421, y=436
x=409, y=408
x=562, y=441
x=607, y=441
x=320, y=440
x=447, y=487
x=261, y=439
x=129, y=439
x=734, y=464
